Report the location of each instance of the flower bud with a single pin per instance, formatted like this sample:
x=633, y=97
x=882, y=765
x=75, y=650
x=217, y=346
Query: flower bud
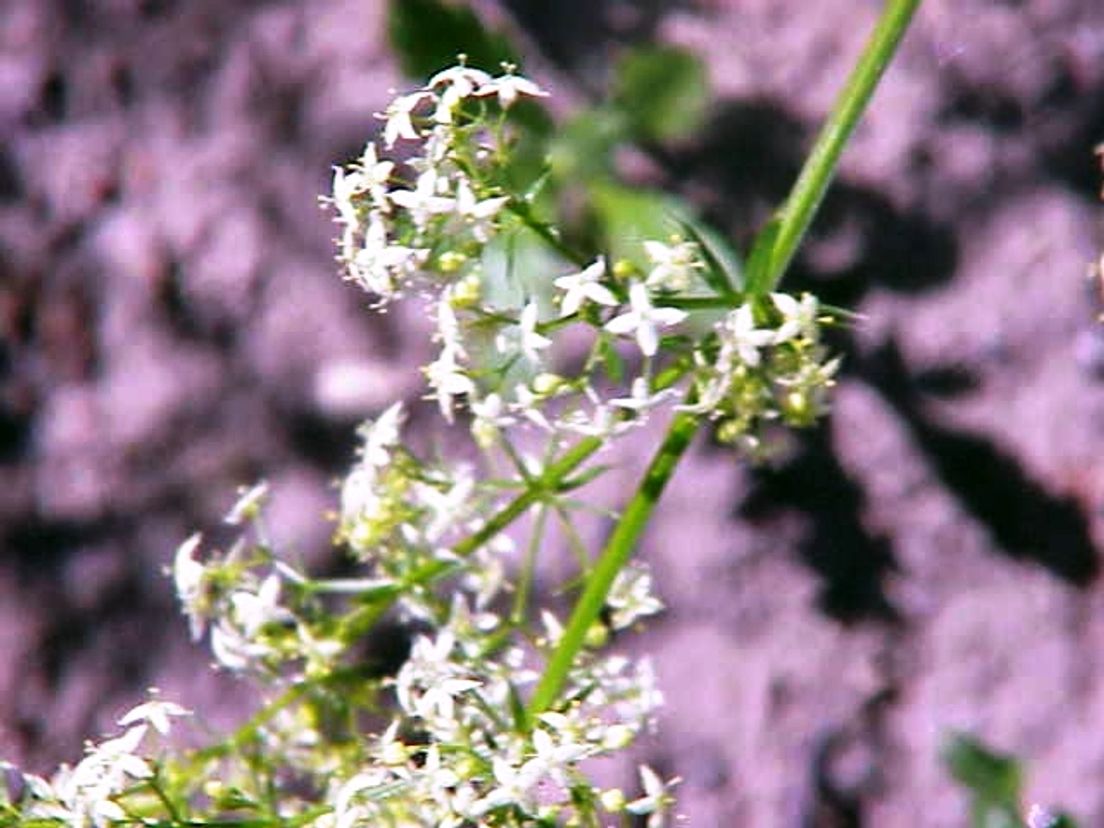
x=547, y=384
x=597, y=636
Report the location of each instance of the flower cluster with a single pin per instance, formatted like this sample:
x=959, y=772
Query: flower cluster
x=750, y=376
x=453, y=724
x=113, y=784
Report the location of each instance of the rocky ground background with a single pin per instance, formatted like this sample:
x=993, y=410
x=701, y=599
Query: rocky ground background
x=171, y=326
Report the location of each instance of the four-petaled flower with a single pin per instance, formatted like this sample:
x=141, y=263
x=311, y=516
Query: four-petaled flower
x=644, y=319
x=586, y=284
x=743, y=337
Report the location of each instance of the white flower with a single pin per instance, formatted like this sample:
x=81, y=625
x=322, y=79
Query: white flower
x=527, y=403
x=345, y=187
x=631, y=596
x=189, y=577
x=490, y=416
x=381, y=436
x=447, y=379
x=464, y=79
x=398, y=115
x=586, y=284
x=554, y=757
x=741, y=335
x=656, y=798
x=374, y=176
x=429, y=681
x=477, y=214
x=531, y=341
x=514, y=786
x=644, y=320
x=460, y=82
x=446, y=509
x=379, y=264
x=155, y=712
x=640, y=399
x=508, y=87
x=252, y=611
x=674, y=264
x=427, y=199
x=248, y=504
x=1040, y=817
x=798, y=318
x=233, y=650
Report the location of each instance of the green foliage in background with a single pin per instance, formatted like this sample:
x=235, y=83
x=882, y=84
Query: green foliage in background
x=995, y=783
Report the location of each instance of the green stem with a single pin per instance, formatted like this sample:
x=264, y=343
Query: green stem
x=358, y=622
x=792, y=222
x=612, y=560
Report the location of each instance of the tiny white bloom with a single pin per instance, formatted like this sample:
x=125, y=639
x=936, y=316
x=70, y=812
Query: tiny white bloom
x=798, y=318
x=189, y=577
x=674, y=265
x=375, y=176
x=248, y=504
x=399, y=123
x=155, y=712
x=381, y=264
x=744, y=337
x=656, y=798
x=425, y=200
x=586, y=284
x=381, y=436
x=490, y=415
x=640, y=399
x=448, y=380
x=477, y=214
x=465, y=79
x=253, y=610
x=644, y=319
x=531, y=341
x=631, y=596
x=527, y=403
x=460, y=82
x=508, y=87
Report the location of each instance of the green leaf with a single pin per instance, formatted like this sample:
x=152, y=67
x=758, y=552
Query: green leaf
x=662, y=90
x=517, y=707
x=985, y=772
x=583, y=149
x=994, y=779
x=580, y=480
x=611, y=361
x=427, y=35
x=723, y=272
x=758, y=275
x=628, y=216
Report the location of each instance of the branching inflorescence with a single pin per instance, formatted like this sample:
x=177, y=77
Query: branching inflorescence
x=456, y=736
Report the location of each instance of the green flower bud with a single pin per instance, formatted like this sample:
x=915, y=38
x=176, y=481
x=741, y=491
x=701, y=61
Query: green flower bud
x=613, y=800
x=547, y=384
x=623, y=270
x=597, y=636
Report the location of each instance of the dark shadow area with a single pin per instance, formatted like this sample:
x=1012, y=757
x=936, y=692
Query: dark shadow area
x=11, y=185
x=1067, y=140
x=319, y=440
x=749, y=156
x=577, y=34
x=902, y=251
x=831, y=806
x=850, y=561
x=1025, y=520
x=39, y=548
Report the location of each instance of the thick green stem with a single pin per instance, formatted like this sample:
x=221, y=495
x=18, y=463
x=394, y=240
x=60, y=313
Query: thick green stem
x=612, y=560
x=769, y=261
x=787, y=230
